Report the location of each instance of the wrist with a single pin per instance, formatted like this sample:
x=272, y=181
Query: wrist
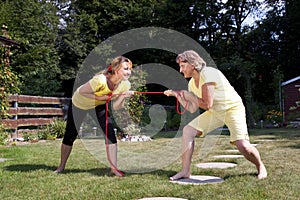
x=199, y=101
x=176, y=94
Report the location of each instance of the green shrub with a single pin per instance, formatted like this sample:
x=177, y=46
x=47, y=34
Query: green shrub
x=55, y=129
x=9, y=82
x=3, y=136
x=44, y=133
x=29, y=136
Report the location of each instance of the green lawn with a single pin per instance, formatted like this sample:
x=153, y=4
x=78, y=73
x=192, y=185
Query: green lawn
x=30, y=174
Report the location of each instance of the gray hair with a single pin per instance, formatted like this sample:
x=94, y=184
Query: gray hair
x=193, y=58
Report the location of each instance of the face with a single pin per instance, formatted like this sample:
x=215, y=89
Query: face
x=186, y=68
x=124, y=72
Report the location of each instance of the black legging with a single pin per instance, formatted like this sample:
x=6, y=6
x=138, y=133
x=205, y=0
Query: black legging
x=73, y=126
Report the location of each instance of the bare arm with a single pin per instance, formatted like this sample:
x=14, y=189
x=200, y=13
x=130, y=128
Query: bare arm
x=206, y=102
x=192, y=102
x=118, y=100
x=86, y=90
x=185, y=98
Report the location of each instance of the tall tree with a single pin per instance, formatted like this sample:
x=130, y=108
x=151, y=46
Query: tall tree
x=265, y=46
x=37, y=60
x=291, y=39
x=274, y=44
x=88, y=23
x=220, y=26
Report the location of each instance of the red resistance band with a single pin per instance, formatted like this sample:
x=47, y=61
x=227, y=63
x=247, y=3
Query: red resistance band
x=106, y=122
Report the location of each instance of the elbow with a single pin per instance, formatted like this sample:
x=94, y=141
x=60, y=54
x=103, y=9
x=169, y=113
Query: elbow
x=209, y=106
x=81, y=91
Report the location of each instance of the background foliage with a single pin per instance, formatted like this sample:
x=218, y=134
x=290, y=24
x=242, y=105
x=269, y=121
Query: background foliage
x=255, y=43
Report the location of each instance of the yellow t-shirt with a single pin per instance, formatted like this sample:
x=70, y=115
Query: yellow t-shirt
x=225, y=96
x=99, y=85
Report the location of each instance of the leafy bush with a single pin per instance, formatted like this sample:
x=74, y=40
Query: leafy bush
x=3, y=136
x=274, y=116
x=29, y=136
x=55, y=129
x=9, y=82
x=132, y=129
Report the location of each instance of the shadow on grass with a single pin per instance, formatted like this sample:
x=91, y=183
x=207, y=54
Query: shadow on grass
x=294, y=146
x=35, y=167
x=93, y=171
x=240, y=175
x=28, y=167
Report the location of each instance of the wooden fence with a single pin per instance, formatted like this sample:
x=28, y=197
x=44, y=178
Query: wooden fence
x=29, y=112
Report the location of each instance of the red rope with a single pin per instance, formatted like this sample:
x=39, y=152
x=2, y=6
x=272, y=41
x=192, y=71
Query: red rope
x=106, y=121
x=148, y=92
x=178, y=104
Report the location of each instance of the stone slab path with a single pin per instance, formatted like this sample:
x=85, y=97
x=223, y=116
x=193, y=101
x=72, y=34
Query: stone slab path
x=266, y=140
x=228, y=156
x=198, y=180
x=233, y=151
x=215, y=165
x=5, y=159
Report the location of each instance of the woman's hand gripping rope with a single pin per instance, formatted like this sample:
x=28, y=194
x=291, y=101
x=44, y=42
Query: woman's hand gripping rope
x=179, y=95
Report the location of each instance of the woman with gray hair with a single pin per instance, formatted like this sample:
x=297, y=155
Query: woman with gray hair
x=209, y=89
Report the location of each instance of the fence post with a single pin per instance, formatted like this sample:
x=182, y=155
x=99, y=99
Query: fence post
x=15, y=105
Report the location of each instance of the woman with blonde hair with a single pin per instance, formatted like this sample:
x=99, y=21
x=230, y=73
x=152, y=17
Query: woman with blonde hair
x=209, y=89
x=92, y=97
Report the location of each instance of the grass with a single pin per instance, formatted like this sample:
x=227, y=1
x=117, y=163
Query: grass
x=29, y=175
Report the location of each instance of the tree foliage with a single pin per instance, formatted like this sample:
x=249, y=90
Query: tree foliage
x=57, y=35
x=34, y=25
x=9, y=82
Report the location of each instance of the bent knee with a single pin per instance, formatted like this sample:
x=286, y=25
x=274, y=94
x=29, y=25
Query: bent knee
x=244, y=146
x=190, y=131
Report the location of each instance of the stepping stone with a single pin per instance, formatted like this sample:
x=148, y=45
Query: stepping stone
x=217, y=165
x=198, y=180
x=228, y=156
x=233, y=151
x=162, y=198
x=5, y=159
x=264, y=140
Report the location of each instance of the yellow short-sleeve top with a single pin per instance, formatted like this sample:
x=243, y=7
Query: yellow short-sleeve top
x=99, y=86
x=225, y=96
